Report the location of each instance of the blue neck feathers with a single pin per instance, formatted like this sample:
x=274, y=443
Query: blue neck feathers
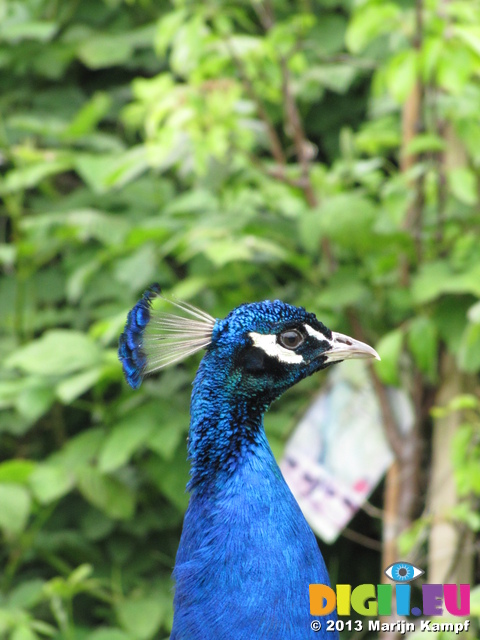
x=226, y=428
x=247, y=555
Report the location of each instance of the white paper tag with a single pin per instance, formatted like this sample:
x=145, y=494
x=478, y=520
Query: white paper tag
x=339, y=452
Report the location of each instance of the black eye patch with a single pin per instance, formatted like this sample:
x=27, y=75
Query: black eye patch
x=253, y=360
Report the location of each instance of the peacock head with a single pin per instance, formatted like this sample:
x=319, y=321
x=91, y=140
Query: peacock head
x=260, y=348
x=270, y=346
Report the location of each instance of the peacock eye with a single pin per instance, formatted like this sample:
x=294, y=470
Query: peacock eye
x=290, y=339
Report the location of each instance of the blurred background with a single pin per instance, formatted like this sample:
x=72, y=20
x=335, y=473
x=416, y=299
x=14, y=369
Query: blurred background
x=324, y=152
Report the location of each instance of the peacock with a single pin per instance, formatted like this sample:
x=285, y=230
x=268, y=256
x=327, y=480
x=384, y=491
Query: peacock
x=246, y=555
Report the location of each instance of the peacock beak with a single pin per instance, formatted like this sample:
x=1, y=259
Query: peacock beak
x=344, y=348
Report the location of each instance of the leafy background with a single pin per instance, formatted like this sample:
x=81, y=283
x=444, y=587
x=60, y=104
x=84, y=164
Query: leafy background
x=323, y=152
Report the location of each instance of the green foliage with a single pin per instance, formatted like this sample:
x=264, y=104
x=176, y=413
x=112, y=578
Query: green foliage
x=147, y=142
x=465, y=458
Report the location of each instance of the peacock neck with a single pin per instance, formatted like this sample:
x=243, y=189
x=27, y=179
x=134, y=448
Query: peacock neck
x=226, y=429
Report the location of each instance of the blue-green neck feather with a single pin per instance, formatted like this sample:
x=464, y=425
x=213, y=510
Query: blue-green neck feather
x=225, y=430
x=246, y=556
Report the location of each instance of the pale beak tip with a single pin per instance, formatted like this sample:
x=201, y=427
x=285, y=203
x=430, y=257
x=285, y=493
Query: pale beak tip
x=346, y=348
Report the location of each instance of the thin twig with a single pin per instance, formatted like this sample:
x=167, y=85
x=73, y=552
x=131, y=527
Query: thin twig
x=278, y=172
x=275, y=143
x=412, y=124
x=294, y=128
x=359, y=538
x=372, y=510
x=392, y=430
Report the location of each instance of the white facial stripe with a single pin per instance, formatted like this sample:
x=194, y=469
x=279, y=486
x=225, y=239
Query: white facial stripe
x=269, y=344
x=317, y=334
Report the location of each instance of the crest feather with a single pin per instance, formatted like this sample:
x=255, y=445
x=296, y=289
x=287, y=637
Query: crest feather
x=153, y=338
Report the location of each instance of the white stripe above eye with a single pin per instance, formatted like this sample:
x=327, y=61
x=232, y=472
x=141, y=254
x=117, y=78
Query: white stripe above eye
x=316, y=334
x=269, y=344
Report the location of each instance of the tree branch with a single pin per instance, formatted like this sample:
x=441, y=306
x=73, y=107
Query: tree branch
x=275, y=143
x=412, y=124
x=294, y=128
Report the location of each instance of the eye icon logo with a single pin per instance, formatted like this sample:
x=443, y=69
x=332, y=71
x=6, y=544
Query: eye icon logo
x=403, y=572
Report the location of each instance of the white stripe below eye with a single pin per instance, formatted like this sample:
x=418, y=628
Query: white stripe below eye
x=317, y=334
x=269, y=344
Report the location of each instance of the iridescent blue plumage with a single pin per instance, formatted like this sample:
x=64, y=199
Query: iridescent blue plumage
x=130, y=350
x=246, y=555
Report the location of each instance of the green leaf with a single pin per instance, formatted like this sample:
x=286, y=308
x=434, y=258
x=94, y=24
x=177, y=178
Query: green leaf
x=463, y=184
x=344, y=288
x=424, y=143
x=15, y=508
x=247, y=248
x=473, y=313
x=336, y=77
x=102, y=50
x=469, y=352
x=41, y=31
x=369, y=22
x=32, y=175
x=23, y=632
x=346, y=218
x=107, y=493
x=432, y=48
x=423, y=343
x=455, y=68
x=109, y=633
x=402, y=73
x=34, y=401
x=111, y=171
x=168, y=28
x=464, y=513
x=470, y=35
x=96, y=525
x=141, y=617
x=16, y=471
x=389, y=349
x=171, y=476
x=80, y=450
x=89, y=115
x=464, y=401
x=27, y=594
x=56, y=353
x=411, y=536
x=49, y=482
x=328, y=34
x=436, y=278
x=126, y=437
x=75, y=386
x=167, y=436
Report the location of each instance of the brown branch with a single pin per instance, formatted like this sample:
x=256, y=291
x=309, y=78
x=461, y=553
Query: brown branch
x=264, y=11
x=294, y=128
x=278, y=172
x=293, y=121
x=372, y=510
x=412, y=124
x=392, y=431
x=275, y=143
x=303, y=150
x=359, y=538
x=412, y=452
